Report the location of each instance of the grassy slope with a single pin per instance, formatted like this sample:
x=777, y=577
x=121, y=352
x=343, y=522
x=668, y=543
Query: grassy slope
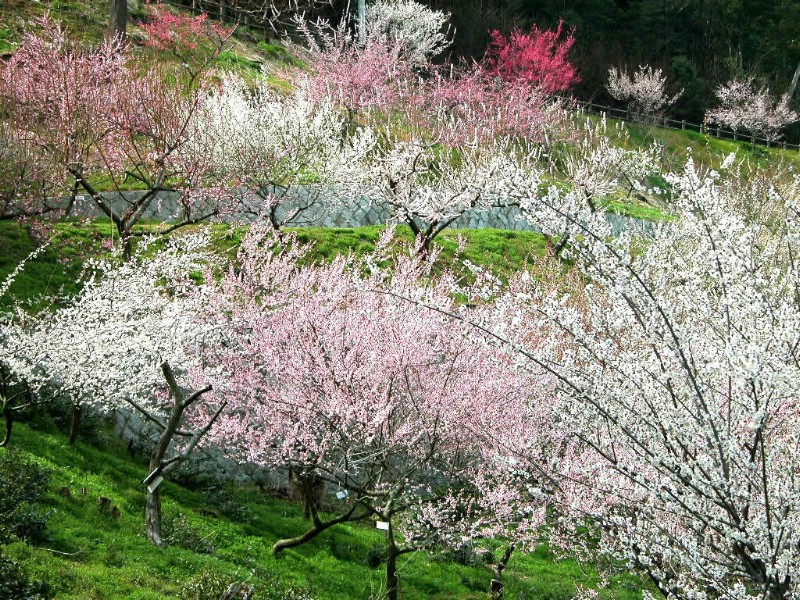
x=54, y=271
x=92, y=555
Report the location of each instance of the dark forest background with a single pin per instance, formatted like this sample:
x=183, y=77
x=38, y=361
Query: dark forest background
x=698, y=43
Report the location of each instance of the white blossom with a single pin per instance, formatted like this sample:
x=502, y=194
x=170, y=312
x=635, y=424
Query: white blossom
x=422, y=31
x=644, y=90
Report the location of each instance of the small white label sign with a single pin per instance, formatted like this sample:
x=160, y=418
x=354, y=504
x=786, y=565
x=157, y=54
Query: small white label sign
x=342, y=494
x=153, y=485
x=384, y=525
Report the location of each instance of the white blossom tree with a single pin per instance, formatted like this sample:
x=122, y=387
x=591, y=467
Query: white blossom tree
x=281, y=152
x=742, y=107
x=644, y=91
x=421, y=31
x=429, y=185
x=121, y=344
x=677, y=371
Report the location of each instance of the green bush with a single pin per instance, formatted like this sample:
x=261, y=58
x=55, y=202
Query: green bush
x=227, y=503
x=179, y=531
x=16, y=585
x=275, y=589
x=376, y=555
x=215, y=586
x=206, y=586
x=22, y=483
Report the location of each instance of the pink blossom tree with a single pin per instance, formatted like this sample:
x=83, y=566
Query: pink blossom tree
x=27, y=185
x=742, y=107
x=539, y=58
x=89, y=115
x=62, y=102
x=193, y=41
x=644, y=91
x=377, y=75
x=481, y=109
x=373, y=398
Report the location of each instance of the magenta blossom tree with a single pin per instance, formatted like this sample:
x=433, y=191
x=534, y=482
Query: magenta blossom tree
x=539, y=58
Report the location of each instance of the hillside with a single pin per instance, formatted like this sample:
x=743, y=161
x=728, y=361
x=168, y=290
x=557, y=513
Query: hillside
x=220, y=533
x=72, y=516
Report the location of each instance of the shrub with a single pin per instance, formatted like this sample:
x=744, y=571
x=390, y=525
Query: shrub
x=206, y=585
x=16, y=585
x=22, y=483
x=227, y=504
x=179, y=531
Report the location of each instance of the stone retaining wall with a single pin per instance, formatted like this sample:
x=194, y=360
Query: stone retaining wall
x=330, y=211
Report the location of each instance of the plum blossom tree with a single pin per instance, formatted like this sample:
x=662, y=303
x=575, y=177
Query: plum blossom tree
x=87, y=114
x=368, y=395
x=742, y=107
x=539, y=58
x=644, y=91
x=121, y=344
x=421, y=31
x=677, y=375
x=15, y=395
x=193, y=41
x=429, y=185
x=481, y=109
x=279, y=150
x=61, y=102
x=26, y=183
x=357, y=78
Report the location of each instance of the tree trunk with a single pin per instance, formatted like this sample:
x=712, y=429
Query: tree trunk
x=319, y=527
x=8, y=414
x=152, y=517
x=118, y=18
x=496, y=587
x=309, y=535
x=362, y=23
x=159, y=465
x=795, y=79
x=75, y=423
x=392, y=580
x=127, y=245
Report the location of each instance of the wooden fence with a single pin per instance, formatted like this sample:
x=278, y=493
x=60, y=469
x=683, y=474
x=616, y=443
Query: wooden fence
x=705, y=128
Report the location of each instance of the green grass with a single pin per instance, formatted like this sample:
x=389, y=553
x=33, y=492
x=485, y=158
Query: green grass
x=89, y=554
x=54, y=272
x=637, y=210
x=500, y=250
